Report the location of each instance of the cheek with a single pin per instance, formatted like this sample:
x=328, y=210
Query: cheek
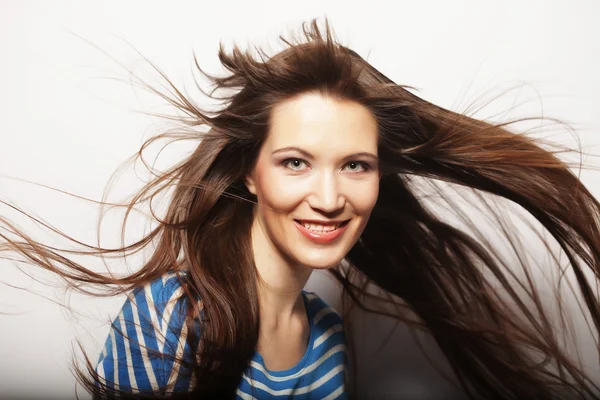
x=277, y=193
x=365, y=197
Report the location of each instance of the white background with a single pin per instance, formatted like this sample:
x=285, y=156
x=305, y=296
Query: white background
x=63, y=123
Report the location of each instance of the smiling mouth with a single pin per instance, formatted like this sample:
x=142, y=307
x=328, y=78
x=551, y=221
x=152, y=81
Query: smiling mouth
x=319, y=227
x=320, y=232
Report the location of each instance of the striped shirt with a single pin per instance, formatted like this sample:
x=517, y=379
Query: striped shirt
x=151, y=322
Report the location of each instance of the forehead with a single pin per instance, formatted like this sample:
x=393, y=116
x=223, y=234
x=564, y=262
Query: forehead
x=319, y=123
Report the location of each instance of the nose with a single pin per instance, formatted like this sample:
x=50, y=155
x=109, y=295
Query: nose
x=326, y=195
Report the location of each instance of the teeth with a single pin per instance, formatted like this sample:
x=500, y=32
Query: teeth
x=320, y=228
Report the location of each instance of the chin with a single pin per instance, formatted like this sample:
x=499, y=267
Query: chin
x=319, y=262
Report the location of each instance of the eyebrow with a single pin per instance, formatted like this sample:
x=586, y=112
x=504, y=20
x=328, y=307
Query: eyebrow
x=308, y=155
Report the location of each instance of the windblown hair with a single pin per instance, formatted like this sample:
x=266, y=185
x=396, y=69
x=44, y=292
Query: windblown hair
x=446, y=280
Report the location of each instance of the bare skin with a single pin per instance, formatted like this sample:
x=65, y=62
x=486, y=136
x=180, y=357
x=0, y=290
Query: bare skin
x=283, y=347
x=318, y=165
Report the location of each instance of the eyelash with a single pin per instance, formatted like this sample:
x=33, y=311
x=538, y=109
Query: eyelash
x=364, y=165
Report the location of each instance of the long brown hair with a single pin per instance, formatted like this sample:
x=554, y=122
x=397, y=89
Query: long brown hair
x=489, y=322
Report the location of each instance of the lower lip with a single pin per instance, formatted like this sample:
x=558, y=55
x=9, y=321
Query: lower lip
x=321, y=237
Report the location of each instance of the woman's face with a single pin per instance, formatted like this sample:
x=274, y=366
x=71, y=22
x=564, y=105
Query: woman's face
x=316, y=179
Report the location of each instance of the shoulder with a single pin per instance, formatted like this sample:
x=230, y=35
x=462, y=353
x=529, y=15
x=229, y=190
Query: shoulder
x=156, y=304
x=327, y=337
x=146, y=337
x=162, y=291
x=323, y=314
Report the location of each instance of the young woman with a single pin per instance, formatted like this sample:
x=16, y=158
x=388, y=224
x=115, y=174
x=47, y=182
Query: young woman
x=307, y=168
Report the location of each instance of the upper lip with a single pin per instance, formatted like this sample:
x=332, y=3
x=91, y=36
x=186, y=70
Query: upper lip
x=322, y=222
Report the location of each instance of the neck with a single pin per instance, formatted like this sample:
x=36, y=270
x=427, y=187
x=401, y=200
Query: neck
x=280, y=282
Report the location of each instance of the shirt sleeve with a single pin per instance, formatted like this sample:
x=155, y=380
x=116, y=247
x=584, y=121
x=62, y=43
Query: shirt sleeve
x=149, y=331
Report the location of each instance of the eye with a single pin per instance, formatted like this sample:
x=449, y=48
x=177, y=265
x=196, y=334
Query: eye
x=295, y=164
x=357, y=166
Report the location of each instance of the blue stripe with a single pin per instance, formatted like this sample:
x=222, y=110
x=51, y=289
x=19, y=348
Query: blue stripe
x=149, y=332
x=173, y=333
x=142, y=382
x=183, y=380
x=156, y=288
x=124, y=383
x=159, y=295
x=108, y=364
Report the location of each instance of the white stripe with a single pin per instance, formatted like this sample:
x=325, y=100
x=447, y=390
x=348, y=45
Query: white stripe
x=160, y=341
x=166, y=316
x=142, y=345
x=245, y=396
x=321, y=381
x=310, y=296
x=296, y=391
x=114, y=352
x=310, y=368
x=128, y=362
x=327, y=334
x=322, y=313
x=100, y=371
x=166, y=277
x=335, y=394
x=179, y=353
x=192, y=383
